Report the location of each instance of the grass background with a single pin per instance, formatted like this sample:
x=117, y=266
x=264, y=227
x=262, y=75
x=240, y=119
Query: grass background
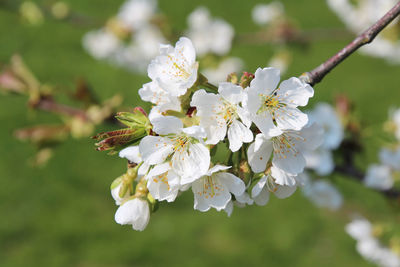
x=63, y=214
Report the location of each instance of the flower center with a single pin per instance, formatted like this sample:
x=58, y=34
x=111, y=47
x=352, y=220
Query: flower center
x=229, y=113
x=162, y=178
x=180, y=142
x=270, y=103
x=271, y=185
x=179, y=66
x=211, y=187
x=286, y=144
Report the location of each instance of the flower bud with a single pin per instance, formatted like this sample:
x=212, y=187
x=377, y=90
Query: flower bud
x=233, y=78
x=136, y=212
x=31, y=13
x=245, y=172
x=246, y=78
x=60, y=10
x=153, y=202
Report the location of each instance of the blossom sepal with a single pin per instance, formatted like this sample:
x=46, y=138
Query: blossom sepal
x=134, y=120
x=114, y=141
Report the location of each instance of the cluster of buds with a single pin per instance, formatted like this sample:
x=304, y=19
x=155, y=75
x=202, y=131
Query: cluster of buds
x=232, y=144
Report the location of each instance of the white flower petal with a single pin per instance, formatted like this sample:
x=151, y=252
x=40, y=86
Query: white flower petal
x=217, y=168
x=135, y=212
x=238, y=134
x=132, y=154
x=262, y=198
x=258, y=187
x=290, y=118
x=195, y=131
x=265, y=124
x=166, y=125
x=191, y=164
x=265, y=80
x=258, y=158
x=235, y=185
x=231, y=92
x=289, y=162
x=295, y=92
x=244, y=199
x=285, y=191
x=155, y=149
x=209, y=192
x=282, y=178
x=229, y=208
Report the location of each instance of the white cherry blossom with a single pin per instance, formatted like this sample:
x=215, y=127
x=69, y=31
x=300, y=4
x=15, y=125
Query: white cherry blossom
x=101, y=44
x=326, y=116
x=396, y=120
x=220, y=114
x=209, y=35
x=390, y=158
x=369, y=246
x=214, y=189
x=135, y=14
x=287, y=149
x=266, y=185
x=322, y=193
x=320, y=160
x=273, y=108
x=181, y=147
x=164, y=101
x=163, y=183
x=135, y=212
x=359, y=229
x=224, y=68
x=263, y=14
x=379, y=177
x=175, y=69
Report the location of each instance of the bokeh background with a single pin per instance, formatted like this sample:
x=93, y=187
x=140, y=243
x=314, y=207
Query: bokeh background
x=63, y=214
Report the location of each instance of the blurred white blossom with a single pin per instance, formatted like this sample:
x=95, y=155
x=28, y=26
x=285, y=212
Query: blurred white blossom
x=263, y=14
x=322, y=193
x=225, y=67
x=378, y=177
x=368, y=246
x=209, y=35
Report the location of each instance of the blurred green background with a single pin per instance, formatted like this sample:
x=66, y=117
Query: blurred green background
x=63, y=214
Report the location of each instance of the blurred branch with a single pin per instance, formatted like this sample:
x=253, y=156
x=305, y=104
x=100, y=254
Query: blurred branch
x=316, y=75
x=49, y=104
x=352, y=145
x=292, y=35
x=352, y=172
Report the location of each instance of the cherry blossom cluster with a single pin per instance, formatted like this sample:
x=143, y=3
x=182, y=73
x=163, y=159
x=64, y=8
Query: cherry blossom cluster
x=356, y=14
x=369, y=246
x=381, y=176
x=232, y=144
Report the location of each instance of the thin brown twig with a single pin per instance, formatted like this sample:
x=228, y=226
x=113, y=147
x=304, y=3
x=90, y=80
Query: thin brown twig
x=49, y=104
x=316, y=75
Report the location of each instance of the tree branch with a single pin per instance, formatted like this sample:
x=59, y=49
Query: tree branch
x=48, y=104
x=352, y=172
x=316, y=75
